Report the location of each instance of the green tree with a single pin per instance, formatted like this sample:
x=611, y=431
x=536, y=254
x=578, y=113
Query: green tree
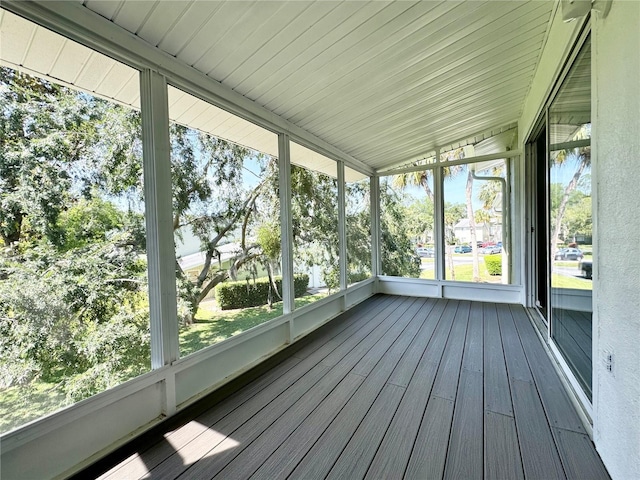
x=358, y=225
x=268, y=238
x=580, y=160
x=419, y=217
x=72, y=271
x=314, y=212
x=396, y=249
x=212, y=199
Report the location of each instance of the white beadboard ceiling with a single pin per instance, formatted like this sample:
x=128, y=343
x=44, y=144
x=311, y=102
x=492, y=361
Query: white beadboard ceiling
x=385, y=82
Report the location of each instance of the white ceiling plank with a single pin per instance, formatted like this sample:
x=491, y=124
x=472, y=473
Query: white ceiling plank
x=324, y=30
x=190, y=116
x=365, y=61
x=130, y=92
x=353, y=48
x=94, y=71
x=473, y=120
x=224, y=21
x=115, y=79
x=133, y=14
x=312, y=49
x=451, y=106
x=282, y=19
x=15, y=38
x=44, y=50
x=433, y=91
x=107, y=8
x=191, y=20
x=441, y=83
x=396, y=82
x=434, y=65
x=71, y=61
x=281, y=41
x=161, y=20
x=255, y=15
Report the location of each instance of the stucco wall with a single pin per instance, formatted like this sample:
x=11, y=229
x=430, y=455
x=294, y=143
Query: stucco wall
x=616, y=280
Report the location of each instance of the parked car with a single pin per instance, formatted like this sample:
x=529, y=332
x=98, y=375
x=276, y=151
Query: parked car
x=569, y=254
x=491, y=250
x=586, y=267
x=424, y=252
x=462, y=249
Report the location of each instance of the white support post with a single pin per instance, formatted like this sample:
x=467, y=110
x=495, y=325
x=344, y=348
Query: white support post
x=342, y=235
x=376, y=263
x=158, y=207
x=438, y=227
x=286, y=224
x=342, y=229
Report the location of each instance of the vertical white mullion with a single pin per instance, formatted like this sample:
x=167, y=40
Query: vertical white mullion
x=158, y=207
x=376, y=264
x=286, y=224
x=342, y=228
x=438, y=227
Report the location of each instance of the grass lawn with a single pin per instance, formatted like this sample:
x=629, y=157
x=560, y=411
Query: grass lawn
x=464, y=273
x=213, y=325
x=19, y=405
x=563, y=281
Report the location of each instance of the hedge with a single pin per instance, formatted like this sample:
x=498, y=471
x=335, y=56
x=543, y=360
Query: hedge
x=248, y=293
x=358, y=277
x=494, y=264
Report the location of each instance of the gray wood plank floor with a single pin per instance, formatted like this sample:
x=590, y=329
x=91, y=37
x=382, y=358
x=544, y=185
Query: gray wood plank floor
x=399, y=388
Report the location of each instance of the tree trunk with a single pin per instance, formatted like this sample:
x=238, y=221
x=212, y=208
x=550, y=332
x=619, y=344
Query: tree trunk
x=571, y=186
x=472, y=227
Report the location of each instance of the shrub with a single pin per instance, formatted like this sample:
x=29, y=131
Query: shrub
x=494, y=264
x=358, y=277
x=243, y=294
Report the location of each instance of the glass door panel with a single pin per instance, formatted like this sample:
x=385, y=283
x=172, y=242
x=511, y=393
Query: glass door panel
x=569, y=219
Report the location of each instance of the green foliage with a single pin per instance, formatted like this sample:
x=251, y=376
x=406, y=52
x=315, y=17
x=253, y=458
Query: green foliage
x=268, y=236
x=419, y=218
x=88, y=221
x=358, y=277
x=314, y=209
x=243, y=294
x=358, y=229
x=73, y=287
x=493, y=264
x=398, y=257
x=453, y=213
x=78, y=318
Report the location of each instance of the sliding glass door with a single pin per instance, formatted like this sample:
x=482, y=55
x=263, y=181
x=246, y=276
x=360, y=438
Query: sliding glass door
x=563, y=243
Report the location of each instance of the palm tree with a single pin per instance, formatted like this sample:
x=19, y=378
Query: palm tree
x=421, y=178
x=582, y=156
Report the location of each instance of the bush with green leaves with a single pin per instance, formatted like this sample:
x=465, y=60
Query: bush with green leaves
x=252, y=293
x=79, y=319
x=494, y=264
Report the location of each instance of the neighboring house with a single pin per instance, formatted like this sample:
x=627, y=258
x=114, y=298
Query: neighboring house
x=462, y=232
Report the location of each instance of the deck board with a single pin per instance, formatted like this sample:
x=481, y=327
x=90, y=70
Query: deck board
x=399, y=387
x=556, y=402
x=501, y=453
x=497, y=397
x=465, y=454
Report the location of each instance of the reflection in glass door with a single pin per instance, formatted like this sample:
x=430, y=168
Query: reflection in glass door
x=569, y=218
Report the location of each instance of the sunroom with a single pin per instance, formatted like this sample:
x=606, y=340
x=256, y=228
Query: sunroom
x=310, y=239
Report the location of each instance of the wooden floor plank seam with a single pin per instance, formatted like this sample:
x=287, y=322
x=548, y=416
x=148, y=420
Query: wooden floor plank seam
x=346, y=364
x=227, y=455
x=400, y=387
